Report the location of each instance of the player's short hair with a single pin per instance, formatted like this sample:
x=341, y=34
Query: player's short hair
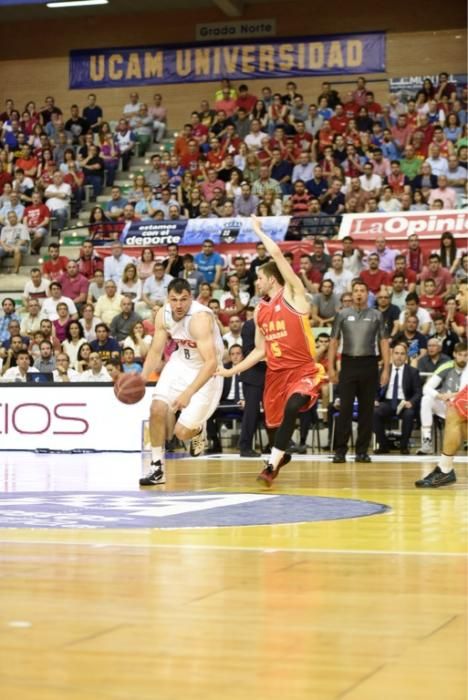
x=270, y=269
x=178, y=286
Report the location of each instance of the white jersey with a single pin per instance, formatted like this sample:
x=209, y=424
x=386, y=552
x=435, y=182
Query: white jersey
x=187, y=351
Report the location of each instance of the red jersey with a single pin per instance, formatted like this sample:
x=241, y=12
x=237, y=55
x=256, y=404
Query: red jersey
x=434, y=304
x=289, y=342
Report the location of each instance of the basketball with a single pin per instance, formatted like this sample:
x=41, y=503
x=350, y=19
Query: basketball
x=129, y=388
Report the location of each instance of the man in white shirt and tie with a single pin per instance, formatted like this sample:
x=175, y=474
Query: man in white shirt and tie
x=400, y=397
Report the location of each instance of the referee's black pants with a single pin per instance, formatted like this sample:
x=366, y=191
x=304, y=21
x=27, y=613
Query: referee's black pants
x=359, y=378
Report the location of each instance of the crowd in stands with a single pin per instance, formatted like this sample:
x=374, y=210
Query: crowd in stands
x=239, y=154
x=90, y=318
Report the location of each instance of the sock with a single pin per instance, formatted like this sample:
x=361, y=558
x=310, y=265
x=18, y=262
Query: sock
x=157, y=454
x=446, y=463
x=426, y=433
x=275, y=457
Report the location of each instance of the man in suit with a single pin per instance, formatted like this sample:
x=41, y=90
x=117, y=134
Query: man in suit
x=400, y=397
x=231, y=401
x=253, y=382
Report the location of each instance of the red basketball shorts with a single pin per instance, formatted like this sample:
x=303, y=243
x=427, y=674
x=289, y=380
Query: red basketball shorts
x=280, y=385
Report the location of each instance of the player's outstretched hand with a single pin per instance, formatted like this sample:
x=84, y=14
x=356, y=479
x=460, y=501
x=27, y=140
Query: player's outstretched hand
x=224, y=371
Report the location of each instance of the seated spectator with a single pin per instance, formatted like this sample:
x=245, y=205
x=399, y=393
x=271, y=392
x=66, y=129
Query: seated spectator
x=434, y=358
x=333, y=200
x=193, y=276
x=105, y=345
x=31, y=321
x=389, y=311
x=64, y=372
x=310, y=276
x=430, y=300
x=233, y=301
x=123, y=322
x=89, y=262
x=325, y=304
x=128, y=362
x=138, y=340
x=53, y=267
x=62, y=321
x=58, y=196
x=210, y=264
x=11, y=203
x=415, y=341
x=115, y=263
x=437, y=392
x=445, y=335
x=266, y=183
x=96, y=372
x=82, y=363
x=375, y=278
x=125, y=142
x=130, y=286
x=74, y=284
x=454, y=318
x=412, y=308
x=145, y=264
x=401, y=269
x=14, y=241
x=74, y=339
x=19, y=372
x=109, y=304
x=233, y=336
x=443, y=192
x=36, y=219
x=36, y=288
x=400, y=397
x=232, y=397
x=340, y=277
x=441, y=276
x=115, y=206
x=425, y=180
x=154, y=290
x=96, y=287
x=49, y=305
x=389, y=202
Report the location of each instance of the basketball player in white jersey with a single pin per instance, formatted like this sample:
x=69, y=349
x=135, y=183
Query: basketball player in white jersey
x=187, y=382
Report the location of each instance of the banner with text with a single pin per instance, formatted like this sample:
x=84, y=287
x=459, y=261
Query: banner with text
x=157, y=65
x=194, y=231
x=403, y=224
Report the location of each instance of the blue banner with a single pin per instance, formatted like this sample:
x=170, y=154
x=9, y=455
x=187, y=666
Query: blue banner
x=194, y=231
x=343, y=54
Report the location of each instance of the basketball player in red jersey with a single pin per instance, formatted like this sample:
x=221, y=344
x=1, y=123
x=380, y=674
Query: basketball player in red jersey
x=284, y=338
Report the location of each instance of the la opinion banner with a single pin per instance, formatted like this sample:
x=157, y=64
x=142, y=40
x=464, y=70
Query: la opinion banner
x=403, y=224
x=338, y=54
x=194, y=231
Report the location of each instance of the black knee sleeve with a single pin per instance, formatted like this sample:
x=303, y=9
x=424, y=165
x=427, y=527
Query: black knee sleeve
x=286, y=429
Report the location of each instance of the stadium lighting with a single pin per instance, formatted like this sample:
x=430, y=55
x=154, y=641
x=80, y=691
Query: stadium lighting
x=76, y=3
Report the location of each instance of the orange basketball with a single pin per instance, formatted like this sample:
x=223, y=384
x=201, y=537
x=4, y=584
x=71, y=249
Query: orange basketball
x=129, y=388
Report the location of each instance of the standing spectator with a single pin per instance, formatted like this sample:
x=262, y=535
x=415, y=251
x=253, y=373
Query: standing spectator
x=360, y=329
x=93, y=113
x=159, y=115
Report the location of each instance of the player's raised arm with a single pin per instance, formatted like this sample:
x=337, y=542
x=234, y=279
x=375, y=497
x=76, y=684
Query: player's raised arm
x=292, y=282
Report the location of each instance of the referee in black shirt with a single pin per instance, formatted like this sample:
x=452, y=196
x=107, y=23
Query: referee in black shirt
x=362, y=331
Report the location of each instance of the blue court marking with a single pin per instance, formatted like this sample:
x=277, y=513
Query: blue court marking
x=160, y=510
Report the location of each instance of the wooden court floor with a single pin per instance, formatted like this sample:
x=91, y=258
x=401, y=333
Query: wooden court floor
x=368, y=608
